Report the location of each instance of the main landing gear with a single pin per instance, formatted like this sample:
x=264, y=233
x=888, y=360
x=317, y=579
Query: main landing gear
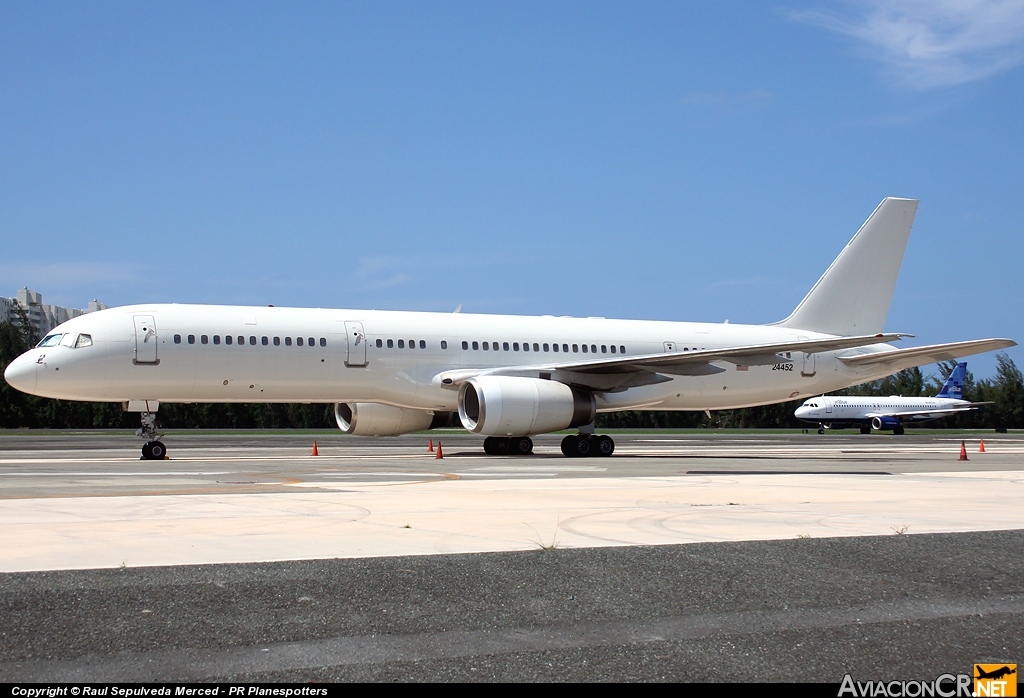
x=502, y=446
x=154, y=449
x=585, y=445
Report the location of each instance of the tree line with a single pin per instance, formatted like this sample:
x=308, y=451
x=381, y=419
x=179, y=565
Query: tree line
x=17, y=410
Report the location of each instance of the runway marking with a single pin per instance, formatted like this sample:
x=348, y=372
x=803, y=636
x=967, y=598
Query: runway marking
x=209, y=663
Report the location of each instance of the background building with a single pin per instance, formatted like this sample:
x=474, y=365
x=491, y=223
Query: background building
x=42, y=316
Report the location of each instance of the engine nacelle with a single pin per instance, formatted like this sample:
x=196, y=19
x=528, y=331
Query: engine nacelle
x=375, y=419
x=885, y=423
x=513, y=406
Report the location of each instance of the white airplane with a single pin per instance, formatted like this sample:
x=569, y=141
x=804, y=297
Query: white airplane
x=508, y=377
x=871, y=412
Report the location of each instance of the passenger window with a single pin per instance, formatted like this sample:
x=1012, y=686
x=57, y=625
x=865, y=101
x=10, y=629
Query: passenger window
x=505, y=346
x=593, y=348
x=486, y=346
x=380, y=344
x=465, y=345
x=575, y=349
x=565, y=347
x=536, y=347
x=84, y=340
x=412, y=343
x=545, y=347
x=216, y=339
x=401, y=344
x=298, y=341
x=475, y=346
x=177, y=339
x=604, y=348
x=191, y=339
x=613, y=348
x=555, y=347
x=228, y=339
x=204, y=339
x=241, y=340
x=312, y=341
x=252, y=340
x=444, y=344
x=622, y=349
x=584, y=348
x=287, y=341
x=391, y=344
x=323, y=341
x=277, y=341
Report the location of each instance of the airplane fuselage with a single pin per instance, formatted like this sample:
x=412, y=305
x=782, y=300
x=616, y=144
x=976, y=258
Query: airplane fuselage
x=200, y=353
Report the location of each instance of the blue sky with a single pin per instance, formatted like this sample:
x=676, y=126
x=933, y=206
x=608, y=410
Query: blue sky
x=678, y=161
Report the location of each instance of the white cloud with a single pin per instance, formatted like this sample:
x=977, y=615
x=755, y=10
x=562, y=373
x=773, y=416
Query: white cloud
x=932, y=43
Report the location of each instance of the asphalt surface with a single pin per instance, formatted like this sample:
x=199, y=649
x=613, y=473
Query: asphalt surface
x=892, y=607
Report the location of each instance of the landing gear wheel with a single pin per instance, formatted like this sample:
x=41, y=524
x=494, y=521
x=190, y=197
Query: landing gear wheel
x=157, y=450
x=602, y=445
x=523, y=446
x=898, y=431
x=821, y=430
x=576, y=446
x=498, y=446
x=568, y=446
x=865, y=430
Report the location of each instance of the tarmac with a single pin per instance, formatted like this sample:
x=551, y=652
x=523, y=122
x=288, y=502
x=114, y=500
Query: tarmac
x=722, y=557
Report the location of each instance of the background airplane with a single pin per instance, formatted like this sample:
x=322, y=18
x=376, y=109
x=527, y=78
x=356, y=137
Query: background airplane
x=507, y=377
x=869, y=412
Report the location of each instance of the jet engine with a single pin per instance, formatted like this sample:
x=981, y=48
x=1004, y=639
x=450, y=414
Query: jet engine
x=375, y=419
x=886, y=423
x=513, y=406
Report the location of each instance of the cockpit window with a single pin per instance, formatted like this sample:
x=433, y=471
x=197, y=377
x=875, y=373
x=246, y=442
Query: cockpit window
x=84, y=340
x=50, y=340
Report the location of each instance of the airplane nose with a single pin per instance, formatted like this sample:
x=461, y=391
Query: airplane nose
x=21, y=374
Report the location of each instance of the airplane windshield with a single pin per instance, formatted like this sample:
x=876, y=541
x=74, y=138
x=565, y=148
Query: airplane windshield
x=50, y=340
x=84, y=340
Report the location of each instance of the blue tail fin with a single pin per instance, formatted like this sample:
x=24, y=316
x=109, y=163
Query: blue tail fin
x=954, y=387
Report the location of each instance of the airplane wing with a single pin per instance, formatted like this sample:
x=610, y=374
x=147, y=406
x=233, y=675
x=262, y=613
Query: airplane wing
x=912, y=413
x=685, y=363
x=899, y=359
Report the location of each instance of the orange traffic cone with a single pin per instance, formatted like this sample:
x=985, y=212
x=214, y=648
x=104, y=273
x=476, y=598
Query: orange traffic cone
x=315, y=452
x=982, y=448
x=438, y=451
x=963, y=451
x=431, y=447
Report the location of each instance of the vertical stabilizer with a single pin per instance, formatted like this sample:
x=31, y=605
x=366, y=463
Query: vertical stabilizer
x=853, y=295
x=954, y=387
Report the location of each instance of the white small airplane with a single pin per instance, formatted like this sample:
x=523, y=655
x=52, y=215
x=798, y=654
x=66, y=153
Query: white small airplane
x=884, y=413
x=508, y=377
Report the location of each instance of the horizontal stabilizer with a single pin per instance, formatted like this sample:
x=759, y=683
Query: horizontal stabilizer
x=899, y=359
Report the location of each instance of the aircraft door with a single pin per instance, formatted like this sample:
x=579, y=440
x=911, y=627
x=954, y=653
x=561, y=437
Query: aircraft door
x=145, y=340
x=356, y=344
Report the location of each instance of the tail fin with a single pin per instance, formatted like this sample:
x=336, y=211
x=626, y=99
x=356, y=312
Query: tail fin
x=954, y=387
x=852, y=297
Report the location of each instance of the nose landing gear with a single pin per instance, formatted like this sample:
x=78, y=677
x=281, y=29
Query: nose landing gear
x=153, y=449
